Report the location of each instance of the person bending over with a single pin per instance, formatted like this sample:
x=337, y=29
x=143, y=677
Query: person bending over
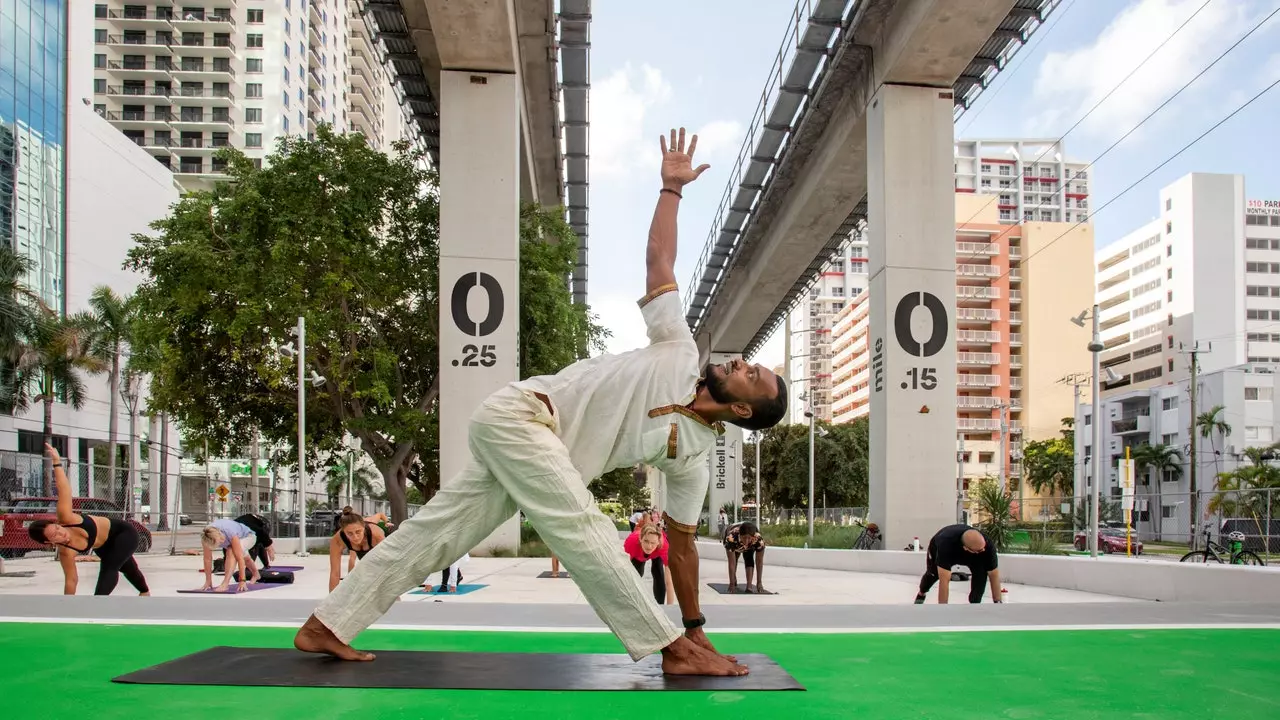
x=649, y=545
x=75, y=535
x=744, y=539
x=536, y=443
x=237, y=539
x=960, y=545
x=262, y=549
x=451, y=577
x=359, y=537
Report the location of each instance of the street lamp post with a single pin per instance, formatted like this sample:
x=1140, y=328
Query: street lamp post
x=316, y=380
x=759, y=438
x=1095, y=347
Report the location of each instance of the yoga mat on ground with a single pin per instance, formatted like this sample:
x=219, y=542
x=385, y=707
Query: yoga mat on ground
x=723, y=589
x=251, y=587
x=462, y=590
x=279, y=667
x=282, y=568
x=547, y=574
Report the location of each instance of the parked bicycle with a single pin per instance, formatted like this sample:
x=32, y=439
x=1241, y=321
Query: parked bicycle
x=869, y=538
x=1215, y=552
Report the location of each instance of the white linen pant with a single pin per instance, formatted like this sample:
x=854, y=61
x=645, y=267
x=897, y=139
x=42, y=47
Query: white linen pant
x=516, y=460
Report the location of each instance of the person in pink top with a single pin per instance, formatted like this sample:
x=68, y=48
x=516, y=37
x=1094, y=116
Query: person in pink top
x=648, y=544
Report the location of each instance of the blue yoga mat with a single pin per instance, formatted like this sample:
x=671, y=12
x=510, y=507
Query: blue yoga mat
x=462, y=590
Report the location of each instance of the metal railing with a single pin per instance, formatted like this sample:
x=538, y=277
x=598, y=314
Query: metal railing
x=798, y=64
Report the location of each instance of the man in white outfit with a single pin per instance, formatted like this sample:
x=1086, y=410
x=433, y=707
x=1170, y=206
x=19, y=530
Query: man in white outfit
x=535, y=445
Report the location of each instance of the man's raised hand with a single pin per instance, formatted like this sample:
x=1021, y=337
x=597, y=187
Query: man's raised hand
x=677, y=163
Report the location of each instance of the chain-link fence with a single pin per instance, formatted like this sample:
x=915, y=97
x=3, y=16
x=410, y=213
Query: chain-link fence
x=1157, y=520
x=170, y=511
x=843, y=516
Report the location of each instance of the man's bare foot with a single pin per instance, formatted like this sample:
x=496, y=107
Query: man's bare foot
x=751, y=590
x=733, y=587
x=685, y=657
x=760, y=590
x=699, y=638
x=144, y=594
x=314, y=637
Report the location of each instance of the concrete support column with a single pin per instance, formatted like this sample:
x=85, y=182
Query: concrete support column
x=479, y=256
x=726, y=460
x=911, y=223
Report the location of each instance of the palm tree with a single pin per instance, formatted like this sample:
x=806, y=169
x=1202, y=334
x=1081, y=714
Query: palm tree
x=111, y=313
x=17, y=303
x=361, y=477
x=1212, y=425
x=1164, y=460
x=52, y=360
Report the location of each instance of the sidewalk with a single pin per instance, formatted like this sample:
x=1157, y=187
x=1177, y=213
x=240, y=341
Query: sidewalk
x=515, y=580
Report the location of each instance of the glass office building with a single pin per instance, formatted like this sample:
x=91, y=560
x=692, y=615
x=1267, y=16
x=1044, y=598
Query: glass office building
x=33, y=92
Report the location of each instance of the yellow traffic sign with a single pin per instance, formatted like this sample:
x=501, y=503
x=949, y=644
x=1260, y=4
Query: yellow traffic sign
x=223, y=491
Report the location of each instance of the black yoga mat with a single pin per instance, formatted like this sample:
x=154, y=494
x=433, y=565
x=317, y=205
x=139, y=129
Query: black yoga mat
x=723, y=589
x=547, y=574
x=279, y=667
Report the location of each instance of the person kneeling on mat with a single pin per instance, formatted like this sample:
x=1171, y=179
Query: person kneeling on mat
x=237, y=539
x=75, y=535
x=358, y=536
x=649, y=544
x=744, y=539
x=535, y=445
x=960, y=545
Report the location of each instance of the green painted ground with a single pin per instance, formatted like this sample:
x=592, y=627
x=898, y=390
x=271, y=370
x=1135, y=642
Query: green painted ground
x=1157, y=674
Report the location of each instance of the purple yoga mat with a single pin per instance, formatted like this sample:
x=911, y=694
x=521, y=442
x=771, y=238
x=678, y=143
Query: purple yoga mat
x=282, y=568
x=248, y=588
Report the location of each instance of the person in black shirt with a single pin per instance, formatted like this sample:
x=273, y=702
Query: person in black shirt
x=960, y=545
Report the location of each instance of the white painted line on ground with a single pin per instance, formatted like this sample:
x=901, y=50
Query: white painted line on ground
x=601, y=629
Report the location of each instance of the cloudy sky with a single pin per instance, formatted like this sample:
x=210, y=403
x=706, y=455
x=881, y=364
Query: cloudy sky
x=703, y=65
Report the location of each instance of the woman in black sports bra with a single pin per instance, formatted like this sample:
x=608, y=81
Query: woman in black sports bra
x=358, y=536
x=114, y=541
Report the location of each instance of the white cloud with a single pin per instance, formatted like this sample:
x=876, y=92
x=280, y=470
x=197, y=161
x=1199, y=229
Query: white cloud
x=618, y=107
x=622, y=316
x=718, y=140
x=1070, y=82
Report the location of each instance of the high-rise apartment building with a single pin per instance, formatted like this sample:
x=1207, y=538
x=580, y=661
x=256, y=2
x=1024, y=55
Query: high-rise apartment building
x=1033, y=179
x=1016, y=289
x=1206, y=270
x=1032, y=182
x=809, y=327
x=33, y=43
x=185, y=79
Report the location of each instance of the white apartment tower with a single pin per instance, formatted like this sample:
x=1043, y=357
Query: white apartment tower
x=1206, y=269
x=809, y=326
x=183, y=79
x=1034, y=180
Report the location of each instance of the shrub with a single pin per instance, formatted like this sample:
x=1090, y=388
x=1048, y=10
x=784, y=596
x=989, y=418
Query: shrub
x=1043, y=543
x=996, y=509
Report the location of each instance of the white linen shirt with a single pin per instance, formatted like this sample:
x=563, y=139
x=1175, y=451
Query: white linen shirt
x=620, y=410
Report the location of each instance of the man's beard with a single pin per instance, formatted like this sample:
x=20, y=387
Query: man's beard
x=715, y=386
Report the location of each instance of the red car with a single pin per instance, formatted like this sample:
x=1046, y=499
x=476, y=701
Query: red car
x=1110, y=540
x=15, y=542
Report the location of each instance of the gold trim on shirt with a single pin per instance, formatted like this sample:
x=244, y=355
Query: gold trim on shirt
x=671, y=441
x=672, y=524
x=660, y=290
x=682, y=410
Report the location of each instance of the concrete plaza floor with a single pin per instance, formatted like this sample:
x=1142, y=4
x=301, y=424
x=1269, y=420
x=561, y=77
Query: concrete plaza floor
x=515, y=580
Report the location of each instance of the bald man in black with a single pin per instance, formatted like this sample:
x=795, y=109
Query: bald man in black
x=960, y=545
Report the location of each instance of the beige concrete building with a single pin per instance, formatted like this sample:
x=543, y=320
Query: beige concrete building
x=1017, y=287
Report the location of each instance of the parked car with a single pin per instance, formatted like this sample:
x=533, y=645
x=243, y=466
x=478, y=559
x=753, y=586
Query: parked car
x=15, y=542
x=1110, y=540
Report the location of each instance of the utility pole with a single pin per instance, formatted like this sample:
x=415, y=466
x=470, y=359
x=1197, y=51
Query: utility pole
x=1076, y=381
x=1194, y=352
x=960, y=480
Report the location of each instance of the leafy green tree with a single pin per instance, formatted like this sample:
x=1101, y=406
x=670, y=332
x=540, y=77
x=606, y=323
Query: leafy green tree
x=621, y=486
x=347, y=237
x=841, y=465
x=995, y=512
x=1049, y=466
x=110, y=337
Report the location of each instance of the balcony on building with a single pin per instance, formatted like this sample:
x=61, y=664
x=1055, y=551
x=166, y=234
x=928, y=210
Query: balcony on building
x=315, y=20
x=206, y=96
x=361, y=81
x=968, y=317
x=139, y=119
x=138, y=17
x=360, y=102
x=314, y=106
x=137, y=67
x=360, y=61
x=976, y=402
x=977, y=359
x=966, y=273
x=196, y=43
x=199, y=69
x=1136, y=424
x=192, y=118
x=212, y=168
x=969, y=424
x=965, y=250
x=201, y=20
x=134, y=93
x=314, y=82
x=977, y=381
x=198, y=143
x=976, y=295
x=141, y=41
